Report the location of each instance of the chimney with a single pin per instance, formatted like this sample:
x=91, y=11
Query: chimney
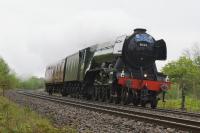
x=139, y=30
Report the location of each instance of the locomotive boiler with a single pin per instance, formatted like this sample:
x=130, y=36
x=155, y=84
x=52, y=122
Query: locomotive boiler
x=120, y=71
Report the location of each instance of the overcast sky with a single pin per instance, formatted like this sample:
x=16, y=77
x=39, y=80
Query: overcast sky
x=34, y=33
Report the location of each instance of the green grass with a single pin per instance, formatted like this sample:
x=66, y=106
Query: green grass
x=15, y=119
x=173, y=100
x=191, y=104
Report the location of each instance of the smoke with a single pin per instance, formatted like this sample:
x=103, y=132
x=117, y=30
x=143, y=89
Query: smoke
x=54, y=42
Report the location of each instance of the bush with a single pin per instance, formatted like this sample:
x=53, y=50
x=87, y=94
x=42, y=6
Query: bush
x=9, y=80
x=32, y=83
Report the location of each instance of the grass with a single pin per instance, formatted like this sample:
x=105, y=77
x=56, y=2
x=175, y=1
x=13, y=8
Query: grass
x=15, y=119
x=191, y=104
x=173, y=100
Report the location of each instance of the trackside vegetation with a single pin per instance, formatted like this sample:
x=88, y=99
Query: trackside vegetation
x=184, y=73
x=15, y=119
x=9, y=80
x=174, y=100
x=31, y=83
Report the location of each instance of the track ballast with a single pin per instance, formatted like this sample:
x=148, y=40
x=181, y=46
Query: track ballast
x=168, y=121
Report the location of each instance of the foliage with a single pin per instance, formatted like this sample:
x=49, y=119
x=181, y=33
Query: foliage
x=174, y=92
x=8, y=79
x=184, y=73
x=4, y=73
x=14, y=119
x=181, y=70
x=32, y=83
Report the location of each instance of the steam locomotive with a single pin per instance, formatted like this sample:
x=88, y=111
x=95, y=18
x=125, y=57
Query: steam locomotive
x=120, y=71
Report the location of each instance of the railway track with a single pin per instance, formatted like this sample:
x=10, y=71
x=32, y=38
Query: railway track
x=178, y=112
x=171, y=111
x=162, y=110
x=197, y=115
x=168, y=121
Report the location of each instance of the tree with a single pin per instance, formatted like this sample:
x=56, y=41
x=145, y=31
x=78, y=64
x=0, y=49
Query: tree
x=184, y=72
x=8, y=78
x=4, y=75
x=33, y=83
x=194, y=54
x=181, y=70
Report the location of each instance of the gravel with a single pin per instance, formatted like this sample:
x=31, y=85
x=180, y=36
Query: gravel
x=131, y=107
x=85, y=120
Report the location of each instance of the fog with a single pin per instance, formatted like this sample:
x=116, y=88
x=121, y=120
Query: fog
x=36, y=33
